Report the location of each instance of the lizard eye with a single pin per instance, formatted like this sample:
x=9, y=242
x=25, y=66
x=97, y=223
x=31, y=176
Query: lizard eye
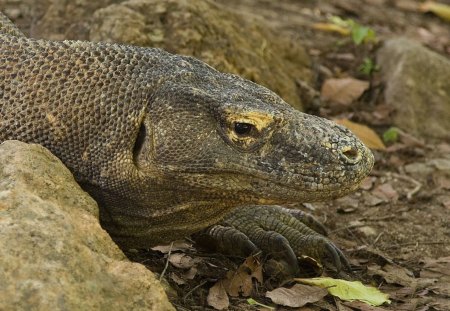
x=243, y=129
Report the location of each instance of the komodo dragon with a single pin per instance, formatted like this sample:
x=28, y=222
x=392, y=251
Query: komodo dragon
x=168, y=146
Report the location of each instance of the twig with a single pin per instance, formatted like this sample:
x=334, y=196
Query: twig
x=417, y=184
x=196, y=287
x=407, y=178
x=179, y=307
x=376, y=218
x=167, y=262
x=377, y=238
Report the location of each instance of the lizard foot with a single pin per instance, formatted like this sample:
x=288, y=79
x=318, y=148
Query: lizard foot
x=281, y=233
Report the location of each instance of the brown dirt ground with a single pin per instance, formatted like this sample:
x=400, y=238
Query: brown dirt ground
x=398, y=221
x=397, y=225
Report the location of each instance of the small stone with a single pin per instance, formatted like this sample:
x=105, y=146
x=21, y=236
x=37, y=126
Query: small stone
x=386, y=192
x=367, y=231
x=371, y=200
x=442, y=165
x=367, y=183
x=418, y=169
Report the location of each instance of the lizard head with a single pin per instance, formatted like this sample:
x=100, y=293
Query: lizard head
x=221, y=137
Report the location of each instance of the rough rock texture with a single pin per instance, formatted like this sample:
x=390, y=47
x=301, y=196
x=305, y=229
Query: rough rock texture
x=54, y=254
x=417, y=84
x=200, y=28
x=54, y=19
x=228, y=42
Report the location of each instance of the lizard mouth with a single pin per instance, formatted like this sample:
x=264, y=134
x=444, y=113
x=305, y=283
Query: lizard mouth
x=253, y=186
x=307, y=183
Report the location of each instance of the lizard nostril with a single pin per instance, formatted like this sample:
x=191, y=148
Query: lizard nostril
x=350, y=154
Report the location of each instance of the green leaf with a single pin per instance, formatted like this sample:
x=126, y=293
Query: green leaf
x=253, y=302
x=391, y=135
x=359, y=33
x=347, y=290
x=368, y=66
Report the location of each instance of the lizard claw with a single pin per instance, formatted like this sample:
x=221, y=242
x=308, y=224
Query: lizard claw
x=280, y=233
x=338, y=258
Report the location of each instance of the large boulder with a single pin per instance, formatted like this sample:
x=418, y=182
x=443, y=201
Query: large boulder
x=417, y=86
x=54, y=254
x=201, y=28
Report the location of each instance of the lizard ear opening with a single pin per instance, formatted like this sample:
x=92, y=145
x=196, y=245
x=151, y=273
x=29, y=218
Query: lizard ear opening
x=139, y=142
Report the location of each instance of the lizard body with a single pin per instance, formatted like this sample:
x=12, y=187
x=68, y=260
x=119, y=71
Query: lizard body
x=166, y=144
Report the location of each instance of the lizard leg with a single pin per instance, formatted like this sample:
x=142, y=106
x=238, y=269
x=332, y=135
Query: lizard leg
x=276, y=231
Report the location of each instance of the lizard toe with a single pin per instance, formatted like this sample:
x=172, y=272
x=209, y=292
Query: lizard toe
x=280, y=233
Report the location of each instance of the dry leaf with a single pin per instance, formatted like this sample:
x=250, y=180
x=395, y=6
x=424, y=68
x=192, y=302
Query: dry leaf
x=217, y=297
x=182, y=261
x=394, y=274
x=366, y=134
x=436, y=268
x=190, y=274
x=440, y=9
x=386, y=192
x=179, y=245
x=177, y=279
x=343, y=91
x=345, y=31
x=358, y=305
x=296, y=296
x=367, y=183
x=240, y=282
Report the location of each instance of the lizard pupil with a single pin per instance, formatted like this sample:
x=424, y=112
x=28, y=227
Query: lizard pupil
x=242, y=128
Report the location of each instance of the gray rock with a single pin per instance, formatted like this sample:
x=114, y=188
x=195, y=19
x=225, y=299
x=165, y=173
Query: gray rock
x=442, y=165
x=418, y=168
x=54, y=254
x=418, y=87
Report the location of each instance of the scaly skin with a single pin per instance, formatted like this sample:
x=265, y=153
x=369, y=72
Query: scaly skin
x=166, y=144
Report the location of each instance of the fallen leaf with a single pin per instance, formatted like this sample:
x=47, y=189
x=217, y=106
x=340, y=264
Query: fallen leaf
x=374, y=255
x=296, y=296
x=367, y=183
x=436, y=267
x=179, y=245
x=343, y=91
x=402, y=293
x=347, y=290
x=182, y=261
x=440, y=9
x=253, y=302
x=366, y=134
x=362, y=306
x=341, y=307
x=190, y=274
x=391, y=135
x=394, y=274
x=371, y=200
x=240, y=282
x=254, y=266
x=345, y=31
x=383, y=111
x=385, y=192
x=217, y=297
x=445, y=201
x=442, y=182
x=177, y=279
